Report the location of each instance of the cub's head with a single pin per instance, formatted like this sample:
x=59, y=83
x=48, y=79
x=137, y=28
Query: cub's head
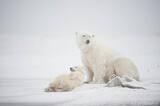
x=84, y=39
x=76, y=69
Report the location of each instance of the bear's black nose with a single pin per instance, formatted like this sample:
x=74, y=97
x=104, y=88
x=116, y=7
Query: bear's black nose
x=87, y=41
x=71, y=69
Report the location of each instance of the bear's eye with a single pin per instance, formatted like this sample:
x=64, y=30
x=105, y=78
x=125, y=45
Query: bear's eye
x=83, y=35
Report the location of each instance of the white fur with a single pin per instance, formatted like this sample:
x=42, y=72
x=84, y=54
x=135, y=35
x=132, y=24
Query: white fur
x=67, y=82
x=101, y=62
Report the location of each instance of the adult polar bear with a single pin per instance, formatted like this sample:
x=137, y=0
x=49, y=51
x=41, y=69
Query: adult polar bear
x=103, y=63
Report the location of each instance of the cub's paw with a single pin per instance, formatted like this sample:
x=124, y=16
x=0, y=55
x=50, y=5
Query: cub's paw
x=48, y=90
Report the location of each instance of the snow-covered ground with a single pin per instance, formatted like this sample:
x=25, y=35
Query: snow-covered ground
x=31, y=92
x=29, y=63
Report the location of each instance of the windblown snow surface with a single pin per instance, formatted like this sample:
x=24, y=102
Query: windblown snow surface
x=29, y=64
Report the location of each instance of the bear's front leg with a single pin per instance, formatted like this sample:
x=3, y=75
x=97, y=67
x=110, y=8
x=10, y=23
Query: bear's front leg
x=98, y=79
x=88, y=69
x=89, y=76
x=99, y=73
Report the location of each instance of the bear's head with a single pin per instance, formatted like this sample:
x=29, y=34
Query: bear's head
x=84, y=39
x=76, y=69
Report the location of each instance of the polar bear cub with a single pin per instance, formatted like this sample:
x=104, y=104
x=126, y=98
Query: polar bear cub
x=67, y=82
x=102, y=62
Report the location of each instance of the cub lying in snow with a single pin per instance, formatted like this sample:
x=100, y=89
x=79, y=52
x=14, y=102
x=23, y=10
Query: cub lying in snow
x=67, y=82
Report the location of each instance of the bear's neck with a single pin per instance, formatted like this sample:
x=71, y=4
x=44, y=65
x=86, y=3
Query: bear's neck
x=87, y=49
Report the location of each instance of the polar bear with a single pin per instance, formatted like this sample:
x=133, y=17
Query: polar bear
x=67, y=82
x=101, y=62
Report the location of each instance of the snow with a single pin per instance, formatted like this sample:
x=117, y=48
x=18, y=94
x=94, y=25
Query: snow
x=15, y=90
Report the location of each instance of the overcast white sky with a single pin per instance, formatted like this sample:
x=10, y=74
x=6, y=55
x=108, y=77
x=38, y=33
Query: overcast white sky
x=60, y=17
x=37, y=36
